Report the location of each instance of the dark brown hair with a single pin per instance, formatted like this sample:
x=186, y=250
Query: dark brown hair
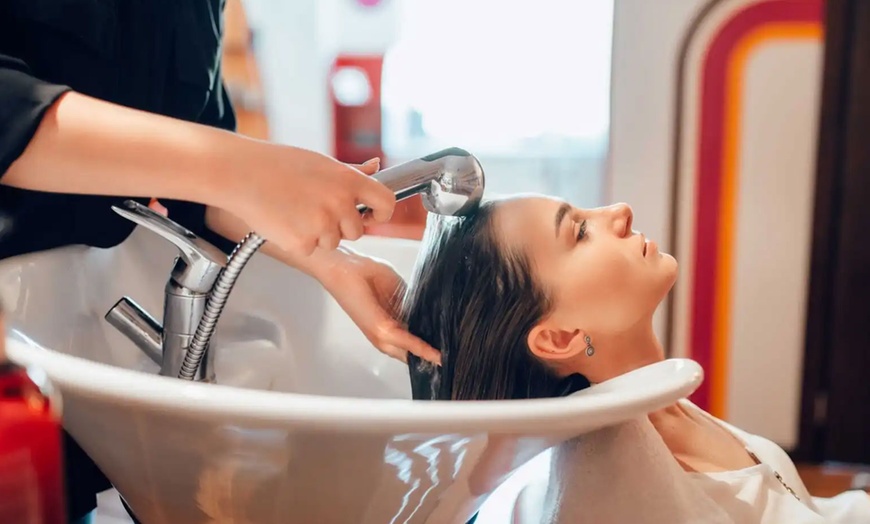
x=477, y=300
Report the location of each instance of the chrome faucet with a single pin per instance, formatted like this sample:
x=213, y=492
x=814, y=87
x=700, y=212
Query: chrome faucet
x=196, y=269
x=450, y=182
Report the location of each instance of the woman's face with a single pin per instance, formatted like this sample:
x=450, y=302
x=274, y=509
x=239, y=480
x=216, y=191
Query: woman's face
x=602, y=277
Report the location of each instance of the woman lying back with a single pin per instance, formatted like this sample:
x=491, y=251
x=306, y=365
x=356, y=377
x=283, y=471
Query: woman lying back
x=532, y=297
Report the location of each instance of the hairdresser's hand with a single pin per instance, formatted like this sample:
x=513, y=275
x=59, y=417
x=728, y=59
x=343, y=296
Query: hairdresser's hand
x=302, y=200
x=369, y=291
x=366, y=288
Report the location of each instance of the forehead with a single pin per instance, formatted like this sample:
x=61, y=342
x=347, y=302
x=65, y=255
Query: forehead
x=527, y=222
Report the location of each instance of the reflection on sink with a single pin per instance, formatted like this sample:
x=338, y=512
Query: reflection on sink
x=308, y=423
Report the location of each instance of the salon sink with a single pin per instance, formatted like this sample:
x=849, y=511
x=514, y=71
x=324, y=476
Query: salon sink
x=307, y=422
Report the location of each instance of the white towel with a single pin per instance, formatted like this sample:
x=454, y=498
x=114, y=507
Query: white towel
x=624, y=474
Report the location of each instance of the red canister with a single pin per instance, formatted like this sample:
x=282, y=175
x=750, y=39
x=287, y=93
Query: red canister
x=31, y=486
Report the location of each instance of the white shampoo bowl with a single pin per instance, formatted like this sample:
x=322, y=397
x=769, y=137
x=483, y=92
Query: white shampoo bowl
x=308, y=423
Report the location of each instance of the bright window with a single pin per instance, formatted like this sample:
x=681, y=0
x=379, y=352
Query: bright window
x=525, y=86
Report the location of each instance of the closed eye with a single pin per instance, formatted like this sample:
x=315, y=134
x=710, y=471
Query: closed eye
x=581, y=231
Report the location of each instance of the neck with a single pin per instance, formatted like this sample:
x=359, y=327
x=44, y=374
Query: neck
x=635, y=349
x=630, y=350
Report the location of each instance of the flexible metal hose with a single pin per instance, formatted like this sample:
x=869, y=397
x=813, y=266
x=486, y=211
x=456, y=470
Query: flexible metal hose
x=216, y=301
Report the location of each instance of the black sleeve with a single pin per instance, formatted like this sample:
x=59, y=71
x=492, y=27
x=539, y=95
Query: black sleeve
x=219, y=111
x=24, y=100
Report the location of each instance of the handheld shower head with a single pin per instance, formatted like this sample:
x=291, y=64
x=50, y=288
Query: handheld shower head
x=451, y=181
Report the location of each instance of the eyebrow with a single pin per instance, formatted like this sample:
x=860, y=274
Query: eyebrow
x=560, y=215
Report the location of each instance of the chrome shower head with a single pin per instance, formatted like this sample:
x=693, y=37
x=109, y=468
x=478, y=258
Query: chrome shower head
x=450, y=181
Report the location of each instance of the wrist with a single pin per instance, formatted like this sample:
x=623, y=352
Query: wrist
x=327, y=265
x=330, y=267
x=320, y=265
x=239, y=167
x=225, y=167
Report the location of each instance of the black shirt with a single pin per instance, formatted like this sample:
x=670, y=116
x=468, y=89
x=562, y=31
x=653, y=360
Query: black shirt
x=161, y=56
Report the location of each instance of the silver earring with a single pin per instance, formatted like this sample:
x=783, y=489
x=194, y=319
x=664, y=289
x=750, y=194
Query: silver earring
x=589, y=349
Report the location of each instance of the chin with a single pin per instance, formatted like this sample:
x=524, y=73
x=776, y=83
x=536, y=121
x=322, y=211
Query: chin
x=669, y=271
x=669, y=261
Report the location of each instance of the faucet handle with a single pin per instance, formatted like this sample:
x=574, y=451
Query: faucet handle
x=200, y=262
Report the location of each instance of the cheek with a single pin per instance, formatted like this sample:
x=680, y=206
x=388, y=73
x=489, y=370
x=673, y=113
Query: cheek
x=601, y=291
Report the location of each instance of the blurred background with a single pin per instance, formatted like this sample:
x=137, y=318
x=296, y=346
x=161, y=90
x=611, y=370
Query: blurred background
x=401, y=79
x=730, y=126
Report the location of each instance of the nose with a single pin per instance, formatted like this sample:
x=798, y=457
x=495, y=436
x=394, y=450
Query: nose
x=622, y=216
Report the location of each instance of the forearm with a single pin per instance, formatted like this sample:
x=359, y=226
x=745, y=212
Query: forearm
x=87, y=146
x=317, y=265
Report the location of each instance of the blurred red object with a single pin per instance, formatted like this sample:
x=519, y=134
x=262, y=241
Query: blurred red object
x=31, y=489
x=355, y=91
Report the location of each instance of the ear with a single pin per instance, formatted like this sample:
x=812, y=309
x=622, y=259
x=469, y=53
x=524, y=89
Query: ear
x=550, y=342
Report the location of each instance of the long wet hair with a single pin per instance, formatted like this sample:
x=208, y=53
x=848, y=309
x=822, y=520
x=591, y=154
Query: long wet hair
x=477, y=300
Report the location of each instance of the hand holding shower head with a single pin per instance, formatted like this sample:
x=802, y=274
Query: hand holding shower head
x=450, y=181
